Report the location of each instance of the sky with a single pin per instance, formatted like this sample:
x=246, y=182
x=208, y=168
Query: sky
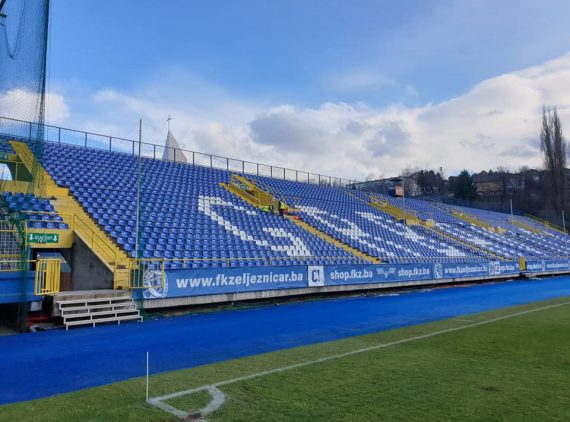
x=359, y=89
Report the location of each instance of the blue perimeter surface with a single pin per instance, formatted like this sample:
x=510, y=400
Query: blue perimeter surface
x=43, y=364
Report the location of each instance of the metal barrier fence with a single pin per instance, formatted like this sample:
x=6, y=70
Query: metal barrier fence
x=47, y=277
x=20, y=129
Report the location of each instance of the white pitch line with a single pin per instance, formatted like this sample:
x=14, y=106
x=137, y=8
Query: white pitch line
x=218, y=396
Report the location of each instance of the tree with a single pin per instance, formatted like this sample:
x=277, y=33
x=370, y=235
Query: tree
x=553, y=146
x=408, y=181
x=464, y=187
x=504, y=174
x=429, y=182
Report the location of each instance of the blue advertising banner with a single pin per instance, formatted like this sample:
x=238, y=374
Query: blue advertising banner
x=389, y=273
x=212, y=281
x=365, y=274
x=475, y=269
x=542, y=266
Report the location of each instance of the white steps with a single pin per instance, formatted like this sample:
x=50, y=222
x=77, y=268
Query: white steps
x=96, y=309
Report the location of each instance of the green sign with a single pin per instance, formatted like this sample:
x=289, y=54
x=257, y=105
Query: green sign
x=3, y=156
x=43, y=237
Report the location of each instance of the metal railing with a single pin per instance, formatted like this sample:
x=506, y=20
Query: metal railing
x=47, y=277
x=20, y=129
x=96, y=243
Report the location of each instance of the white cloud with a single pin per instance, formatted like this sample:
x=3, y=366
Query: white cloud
x=24, y=105
x=495, y=123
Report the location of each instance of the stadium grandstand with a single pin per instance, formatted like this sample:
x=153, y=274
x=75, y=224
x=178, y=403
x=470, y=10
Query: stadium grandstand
x=158, y=225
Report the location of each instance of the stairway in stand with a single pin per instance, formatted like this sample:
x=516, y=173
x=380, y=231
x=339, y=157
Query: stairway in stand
x=96, y=239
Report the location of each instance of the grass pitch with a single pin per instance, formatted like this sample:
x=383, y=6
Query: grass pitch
x=514, y=369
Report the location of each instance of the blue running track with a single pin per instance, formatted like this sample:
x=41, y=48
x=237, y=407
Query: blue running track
x=43, y=364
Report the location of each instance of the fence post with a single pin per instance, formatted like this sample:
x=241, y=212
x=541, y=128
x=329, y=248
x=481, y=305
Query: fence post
x=211, y=161
x=59, y=135
x=85, y=139
x=110, y=143
x=193, y=161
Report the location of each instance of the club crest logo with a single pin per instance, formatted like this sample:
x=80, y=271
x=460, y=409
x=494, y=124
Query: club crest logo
x=152, y=281
x=494, y=268
x=438, y=270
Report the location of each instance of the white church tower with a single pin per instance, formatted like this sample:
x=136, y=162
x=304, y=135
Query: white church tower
x=172, y=151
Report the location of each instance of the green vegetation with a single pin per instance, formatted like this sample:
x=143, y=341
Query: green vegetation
x=513, y=369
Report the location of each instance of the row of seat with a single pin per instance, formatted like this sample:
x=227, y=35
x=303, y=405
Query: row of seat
x=38, y=213
x=184, y=212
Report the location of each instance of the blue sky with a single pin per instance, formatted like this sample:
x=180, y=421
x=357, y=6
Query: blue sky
x=307, y=52
x=357, y=88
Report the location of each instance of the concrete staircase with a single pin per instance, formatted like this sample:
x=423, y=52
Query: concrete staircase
x=545, y=223
x=357, y=253
x=471, y=220
x=526, y=226
x=250, y=192
x=258, y=197
x=409, y=217
x=109, y=253
x=461, y=241
x=96, y=307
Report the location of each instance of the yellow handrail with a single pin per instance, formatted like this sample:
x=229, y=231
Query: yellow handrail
x=91, y=236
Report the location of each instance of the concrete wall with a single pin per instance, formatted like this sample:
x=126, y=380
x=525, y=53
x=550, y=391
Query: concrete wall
x=87, y=271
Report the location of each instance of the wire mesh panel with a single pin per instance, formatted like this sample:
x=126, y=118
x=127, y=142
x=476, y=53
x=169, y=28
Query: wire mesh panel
x=236, y=166
x=250, y=168
x=220, y=162
x=23, y=54
x=121, y=145
x=277, y=172
x=148, y=150
x=52, y=134
x=290, y=174
x=158, y=152
x=204, y=160
x=264, y=170
x=302, y=176
x=73, y=137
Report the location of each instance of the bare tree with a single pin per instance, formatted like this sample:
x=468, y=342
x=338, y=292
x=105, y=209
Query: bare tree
x=408, y=182
x=504, y=174
x=553, y=146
